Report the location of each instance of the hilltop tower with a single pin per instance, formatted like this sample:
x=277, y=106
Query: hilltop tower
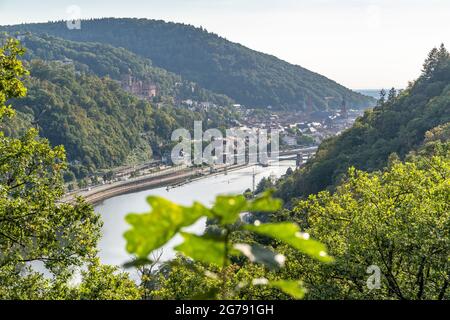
x=344, y=111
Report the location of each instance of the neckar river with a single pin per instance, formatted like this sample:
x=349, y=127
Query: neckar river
x=113, y=211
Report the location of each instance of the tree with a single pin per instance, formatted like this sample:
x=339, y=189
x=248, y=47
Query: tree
x=442, y=54
x=12, y=70
x=264, y=185
x=392, y=95
x=397, y=221
x=430, y=63
x=35, y=226
x=382, y=98
x=289, y=171
x=435, y=59
x=102, y=282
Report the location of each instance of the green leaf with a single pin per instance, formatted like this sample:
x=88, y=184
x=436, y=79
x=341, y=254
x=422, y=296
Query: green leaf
x=153, y=230
x=259, y=254
x=203, y=248
x=290, y=234
x=228, y=208
x=265, y=203
x=294, y=288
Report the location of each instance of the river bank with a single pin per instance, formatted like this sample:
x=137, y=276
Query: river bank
x=205, y=189
x=168, y=178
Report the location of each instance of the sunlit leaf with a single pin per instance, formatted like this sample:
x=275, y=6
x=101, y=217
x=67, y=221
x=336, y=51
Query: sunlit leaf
x=259, y=254
x=290, y=233
x=228, y=208
x=153, y=230
x=293, y=288
x=265, y=203
x=203, y=248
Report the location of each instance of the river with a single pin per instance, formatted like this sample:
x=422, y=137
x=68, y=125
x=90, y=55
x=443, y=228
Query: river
x=113, y=211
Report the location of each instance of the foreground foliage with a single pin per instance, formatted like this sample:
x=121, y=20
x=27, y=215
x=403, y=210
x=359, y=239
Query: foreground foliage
x=213, y=253
x=397, y=220
x=42, y=240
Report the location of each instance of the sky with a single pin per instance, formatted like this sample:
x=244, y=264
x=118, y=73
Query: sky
x=362, y=44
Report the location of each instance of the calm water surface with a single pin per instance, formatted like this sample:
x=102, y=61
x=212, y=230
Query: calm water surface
x=113, y=211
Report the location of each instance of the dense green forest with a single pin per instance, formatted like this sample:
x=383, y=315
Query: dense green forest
x=36, y=228
x=101, y=126
x=116, y=63
x=249, y=77
x=396, y=125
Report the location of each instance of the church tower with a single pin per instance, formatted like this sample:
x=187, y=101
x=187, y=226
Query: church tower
x=344, y=111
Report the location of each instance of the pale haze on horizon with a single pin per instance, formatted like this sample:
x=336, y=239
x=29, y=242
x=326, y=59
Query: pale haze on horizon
x=360, y=44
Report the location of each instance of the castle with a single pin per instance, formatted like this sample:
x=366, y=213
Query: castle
x=144, y=89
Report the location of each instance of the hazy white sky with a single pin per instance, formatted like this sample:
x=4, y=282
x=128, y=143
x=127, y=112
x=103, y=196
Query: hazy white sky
x=360, y=44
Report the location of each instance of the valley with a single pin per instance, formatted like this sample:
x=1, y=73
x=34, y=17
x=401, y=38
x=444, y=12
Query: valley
x=149, y=160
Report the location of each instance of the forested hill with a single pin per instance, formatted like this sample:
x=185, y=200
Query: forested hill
x=249, y=77
x=397, y=125
x=117, y=63
x=99, y=124
x=75, y=98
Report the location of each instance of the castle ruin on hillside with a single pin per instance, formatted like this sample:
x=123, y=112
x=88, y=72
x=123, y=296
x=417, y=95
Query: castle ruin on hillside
x=142, y=88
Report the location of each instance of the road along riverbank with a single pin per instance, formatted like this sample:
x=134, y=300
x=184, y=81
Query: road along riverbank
x=167, y=178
